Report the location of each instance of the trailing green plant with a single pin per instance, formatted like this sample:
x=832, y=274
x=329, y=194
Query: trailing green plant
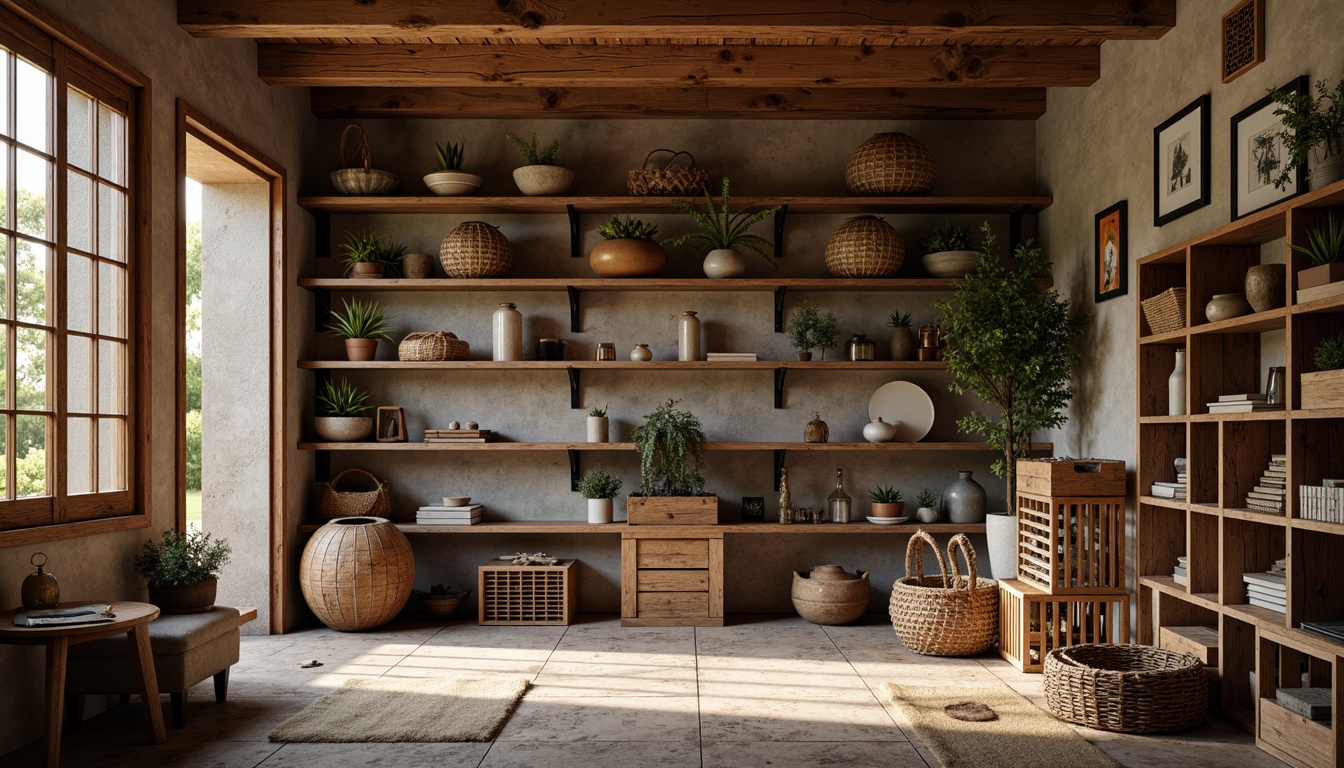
x=1011, y=342
x=926, y=499
x=599, y=484
x=366, y=247
x=808, y=329
x=1325, y=245
x=360, y=320
x=531, y=151
x=1329, y=354
x=182, y=558
x=1309, y=123
x=451, y=156
x=671, y=446
x=338, y=397
x=946, y=237
x=885, y=494
x=722, y=229
x=627, y=228
x=595, y=411
x=898, y=320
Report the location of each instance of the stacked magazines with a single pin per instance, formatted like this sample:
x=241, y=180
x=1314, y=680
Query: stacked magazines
x=443, y=514
x=55, y=617
x=1267, y=590
x=1331, y=629
x=1248, y=403
x=1181, y=574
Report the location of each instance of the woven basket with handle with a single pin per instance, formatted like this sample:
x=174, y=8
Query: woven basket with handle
x=864, y=246
x=668, y=180
x=890, y=164
x=1127, y=688
x=334, y=504
x=432, y=345
x=362, y=179
x=947, y=614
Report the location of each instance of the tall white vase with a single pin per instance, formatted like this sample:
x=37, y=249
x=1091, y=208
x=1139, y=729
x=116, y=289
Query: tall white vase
x=508, y=333
x=688, y=337
x=1176, y=387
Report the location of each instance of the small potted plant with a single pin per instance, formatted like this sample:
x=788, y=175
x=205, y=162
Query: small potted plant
x=807, y=330
x=368, y=256
x=627, y=250
x=1324, y=388
x=1313, y=130
x=541, y=176
x=182, y=570
x=671, y=445
x=361, y=324
x=1325, y=249
x=722, y=233
x=598, y=431
x=599, y=488
x=886, y=501
x=902, y=337
x=928, y=506
x=448, y=178
x=947, y=251
x=341, y=407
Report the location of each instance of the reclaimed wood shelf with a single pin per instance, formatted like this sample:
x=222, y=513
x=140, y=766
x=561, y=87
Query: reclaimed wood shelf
x=958, y=446
x=595, y=365
x=768, y=528
x=633, y=284
x=614, y=204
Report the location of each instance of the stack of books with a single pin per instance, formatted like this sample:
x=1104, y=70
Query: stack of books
x=1269, y=495
x=1246, y=403
x=1324, y=502
x=1331, y=629
x=457, y=435
x=1176, y=490
x=1179, y=573
x=1267, y=590
x=736, y=357
x=442, y=514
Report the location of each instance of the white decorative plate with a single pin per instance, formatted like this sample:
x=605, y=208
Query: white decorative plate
x=905, y=406
x=888, y=520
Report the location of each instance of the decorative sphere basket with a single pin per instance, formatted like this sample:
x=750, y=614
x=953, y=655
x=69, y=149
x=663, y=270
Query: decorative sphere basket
x=1126, y=688
x=864, y=246
x=356, y=572
x=475, y=249
x=890, y=164
x=947, y=614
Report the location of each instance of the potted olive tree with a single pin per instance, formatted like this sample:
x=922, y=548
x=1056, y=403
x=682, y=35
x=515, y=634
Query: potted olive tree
x=627, y=249
x=599, y=487
x=341, y=407
x=1313, y=132
x=722, y=233
x=361, y=324
x=808, y=329
x=182, y=570
x=448, y=179
x=671, y=445
x=541, y=176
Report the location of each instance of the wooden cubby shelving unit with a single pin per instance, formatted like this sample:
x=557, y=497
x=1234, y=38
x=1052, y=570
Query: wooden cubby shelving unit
x=1226, y=453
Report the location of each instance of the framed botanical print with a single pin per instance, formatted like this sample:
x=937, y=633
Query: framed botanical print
x=1258, y=156
x=1110, y=263
x=1181, y=163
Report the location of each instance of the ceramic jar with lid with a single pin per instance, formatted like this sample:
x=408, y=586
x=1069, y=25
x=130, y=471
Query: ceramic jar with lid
x=830, y=595
x=861, y=347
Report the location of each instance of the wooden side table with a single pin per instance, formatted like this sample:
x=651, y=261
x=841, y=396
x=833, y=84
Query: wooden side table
x=132, y=619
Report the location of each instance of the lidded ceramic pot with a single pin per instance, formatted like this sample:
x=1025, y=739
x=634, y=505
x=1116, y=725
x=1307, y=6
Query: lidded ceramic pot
x=830, y=595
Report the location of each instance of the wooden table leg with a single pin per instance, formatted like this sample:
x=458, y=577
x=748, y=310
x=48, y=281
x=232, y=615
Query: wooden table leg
x=56, y=648
x=142, y=661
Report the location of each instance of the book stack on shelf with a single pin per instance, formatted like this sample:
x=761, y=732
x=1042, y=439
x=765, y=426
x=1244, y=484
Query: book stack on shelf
x=458, y=435
x=1166, y=490
x=1268, y=590
x=1323, y=502
x=1268, y=496
x=446, y=514
x=1181, y=573
x=1331, y=629
x=1247, y=403
x=736, y=357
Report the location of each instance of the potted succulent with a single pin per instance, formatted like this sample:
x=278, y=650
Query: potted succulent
x=367, y=255
x=886, y=501
x=627, y=250
x=928, y=506
x=599, y=488
x=182, y=570
x=448, y=179
x=598, y=431
x=1313, y=130
x=902, y=337
x=1324, y=388
x=807, y=330
x=947, y=251
x=1325, y=249
x=341, y=407
x=541, y=176
x=723, y=233
x=361, y=324
x=671, y=445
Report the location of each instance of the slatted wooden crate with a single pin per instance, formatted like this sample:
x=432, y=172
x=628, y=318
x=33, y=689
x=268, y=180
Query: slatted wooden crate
x=1032, y=623
x=1071, y=545
x=527, y=594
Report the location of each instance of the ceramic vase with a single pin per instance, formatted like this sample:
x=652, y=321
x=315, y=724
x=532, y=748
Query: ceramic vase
x=1176, y=387
x=964, y=500
x=927, y=515
x=599, y=511
x=598, y=431
x=879, y=431
x=1265, y=286
x=902, y=344
x=641, y=353
x=1225, y=306
x=627, y=257
x=688, y=337
x=508, y=333
x=724, y=262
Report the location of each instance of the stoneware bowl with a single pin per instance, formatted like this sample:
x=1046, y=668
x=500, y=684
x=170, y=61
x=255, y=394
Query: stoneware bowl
x=343, y=429
x=456, y=501
x=452, y=183
x=829, y=595
x=951, y=263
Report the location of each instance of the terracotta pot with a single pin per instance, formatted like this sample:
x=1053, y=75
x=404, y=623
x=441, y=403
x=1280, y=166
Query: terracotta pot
x=1264, y=286
x=627, y=257
x=418, y=266
x=356, y=572
x=1314, y=276
x=543, y=179
x=829, y=595
x=804, y=356
x=343, y=429
x=888, y=509
x=367, y=269
x=184, y=598
x=360, y=349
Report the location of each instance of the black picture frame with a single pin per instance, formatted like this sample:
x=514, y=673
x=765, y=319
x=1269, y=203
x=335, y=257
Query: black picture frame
x=1252, y=192
x=1177, y=188
x=1110, y=242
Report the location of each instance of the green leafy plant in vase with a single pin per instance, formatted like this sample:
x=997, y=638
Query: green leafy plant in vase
x=341, y=411
x=599, y=487
x=449, y=179
x=902, y=345
x=722, y=233
x=808, y=329
x=947, y=251
x=886, y=501
x=540, y=176
x=361, y=324
x=1313, y=133
x=627, y=249
x=598, y=425
x=182, y=570
x=1325, y=250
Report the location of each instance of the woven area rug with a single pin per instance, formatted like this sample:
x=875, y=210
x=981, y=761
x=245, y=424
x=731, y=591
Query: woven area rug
x=1022, y=736
x=400, y=709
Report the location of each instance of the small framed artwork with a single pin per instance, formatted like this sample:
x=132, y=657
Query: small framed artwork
x=1110, y=239
x=1181, y=163
x=753, y=509
x=390, y=424
x=1259, y=157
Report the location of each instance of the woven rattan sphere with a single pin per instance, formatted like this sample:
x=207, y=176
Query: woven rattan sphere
x=890, y=164
x=476, y=249
x=864, y=246
x=356, y=572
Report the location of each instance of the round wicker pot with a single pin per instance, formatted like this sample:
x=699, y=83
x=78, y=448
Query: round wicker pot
x=864, y=246
x=829, y=595
x=360, y=349
x=543, y=179
x=890, y=164
x=475, y=249
x=724, y=262
x=184, y=598
x=627, y=257
x=343, y=429
x=356, y=572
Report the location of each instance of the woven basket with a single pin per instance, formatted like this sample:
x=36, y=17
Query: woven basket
x=1127, y=688
x=356, y=573
x=890, y=164
x=336, y=503
x=864, y=246
x=1165, y=312
x=476, y=249
x=668, y=180
x=442, y=606
x=361, y=180
x=944, y=615
x=432, y=345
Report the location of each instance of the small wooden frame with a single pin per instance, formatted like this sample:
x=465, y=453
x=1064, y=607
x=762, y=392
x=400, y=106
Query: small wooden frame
x=390, y=424
x=527, y=594
x=1243, y=38
x=1033, y=623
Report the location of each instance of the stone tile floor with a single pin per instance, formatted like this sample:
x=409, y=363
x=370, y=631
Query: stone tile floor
x=773, y=691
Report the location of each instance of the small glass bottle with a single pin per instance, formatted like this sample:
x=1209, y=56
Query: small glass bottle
x=837, y=504
x=508, y=333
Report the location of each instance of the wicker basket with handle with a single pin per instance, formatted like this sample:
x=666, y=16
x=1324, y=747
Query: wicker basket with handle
x=475, y=249
x=864, y=246
x=890, y=164
x=1127, y=688
x=432, y=345
x=668, y=180
x=362, y=179
x=334, y=503
x=944, y=615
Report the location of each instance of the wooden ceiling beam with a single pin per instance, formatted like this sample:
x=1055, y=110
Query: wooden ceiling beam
x=531, y=20
x=597, y=66
x=796, y=103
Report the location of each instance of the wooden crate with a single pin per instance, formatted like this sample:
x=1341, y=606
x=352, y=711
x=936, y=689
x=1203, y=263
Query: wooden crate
x=1323, y=389
x=527, y=594
x=1071, y=477
x=671, y=577
x=1033, y=623
x=1196, y=640
x=672, y=510
x=1071, y=545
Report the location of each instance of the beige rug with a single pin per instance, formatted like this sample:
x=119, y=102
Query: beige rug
x=1023, y=735
x=397, y=709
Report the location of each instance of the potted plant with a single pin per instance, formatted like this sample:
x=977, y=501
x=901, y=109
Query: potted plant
x=807, y=330
x=671, y=445
x=599, y=488
x=928, y=506
x=1324, y=387
x=902, y=337
x=886, y=501
x=182, y=570
x=1325, y=249
x=1313, y=129
x=368, y=256
x=448, y=178
x=541, y=176
x=723, y=233
x=361, y=324
x=627, y=250
x=341, y=407
x=597, y=425
x=946, y=251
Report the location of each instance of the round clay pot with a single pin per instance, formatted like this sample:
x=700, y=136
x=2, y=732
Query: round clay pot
x=829, y=595
x=1225, y=306
x=535, y=180
x=888, y=509
x=902, y=344
x=804, y=356
x=360, y=349
x=627, y=257
x=184, y=598
x=343, y=429
x=724, y=262
x=418, y=266
x=1265, y=286
x=367, y=269
x=356, y=572
x=641, y=353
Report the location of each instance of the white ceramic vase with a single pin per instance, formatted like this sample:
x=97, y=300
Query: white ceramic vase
x=1176, y=387
x=598, y=431
x=724, y=262
x=879, y=431
x=599, y=511
x=927, y=515
x=508, y=334
x=688, y=336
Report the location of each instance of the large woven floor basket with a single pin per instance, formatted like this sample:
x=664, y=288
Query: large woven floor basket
x=1127, y=688
x=948, y=614
x=890, y=164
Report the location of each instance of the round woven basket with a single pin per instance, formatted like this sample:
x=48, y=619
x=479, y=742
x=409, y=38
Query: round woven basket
x=362, y=179
x=475, y=249
x=1127, y=688
x=336, y=503
x=890, y=164
x=442, y=606
x=864, y=246
x=944, y=615
x=432, y=345
x=669, y=179
x=356, y=572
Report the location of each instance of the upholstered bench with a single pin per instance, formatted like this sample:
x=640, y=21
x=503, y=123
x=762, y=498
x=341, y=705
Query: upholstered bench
x=187, y=649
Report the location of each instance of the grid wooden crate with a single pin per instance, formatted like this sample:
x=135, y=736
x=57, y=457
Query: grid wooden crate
x=1068, y=545
x=1033, y=623
x=527, y=594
